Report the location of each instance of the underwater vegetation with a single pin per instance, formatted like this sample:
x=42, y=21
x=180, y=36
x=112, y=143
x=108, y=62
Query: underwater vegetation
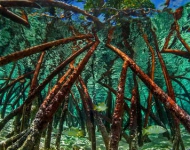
x=111, y=75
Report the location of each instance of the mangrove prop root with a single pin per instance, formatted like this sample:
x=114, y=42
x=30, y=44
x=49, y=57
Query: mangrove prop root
x=4, y=144
x=139, y=115
x=153, y=87
x=61, y=121
x=26, y=112
x=126, y=106
x=88, y=106
x=55, y=89
x=82, y=120
x=133, y=121
x=36, y=49
x=15, y=81
x=176, y=128
x=46, y=112
x=48, y=136
x=19, y=3
x=177, y=52
x=118, y=111
x=5, y=12
x=99, y=122
x=180, y=37
x=47, y=3
x=42, y=85
x=151, y=76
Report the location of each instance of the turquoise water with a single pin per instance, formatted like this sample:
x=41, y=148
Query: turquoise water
x=96, y=101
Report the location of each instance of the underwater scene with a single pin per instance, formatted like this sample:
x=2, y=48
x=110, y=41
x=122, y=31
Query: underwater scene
x=94, y=74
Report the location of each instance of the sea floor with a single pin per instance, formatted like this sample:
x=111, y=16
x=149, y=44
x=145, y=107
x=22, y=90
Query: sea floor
x=158, y=142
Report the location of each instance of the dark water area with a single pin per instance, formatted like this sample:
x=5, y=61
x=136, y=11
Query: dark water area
x=94, y=75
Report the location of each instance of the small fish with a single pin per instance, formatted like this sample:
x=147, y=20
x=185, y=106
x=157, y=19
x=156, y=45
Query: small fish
x=76, y=132
x=22, y=81
x=100, y=107
x=154, y=129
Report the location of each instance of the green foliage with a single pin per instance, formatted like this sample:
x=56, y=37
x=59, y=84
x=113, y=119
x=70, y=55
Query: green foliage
x=119, y=4
x=93, y=4
x=137, y=4
x=114, y=4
